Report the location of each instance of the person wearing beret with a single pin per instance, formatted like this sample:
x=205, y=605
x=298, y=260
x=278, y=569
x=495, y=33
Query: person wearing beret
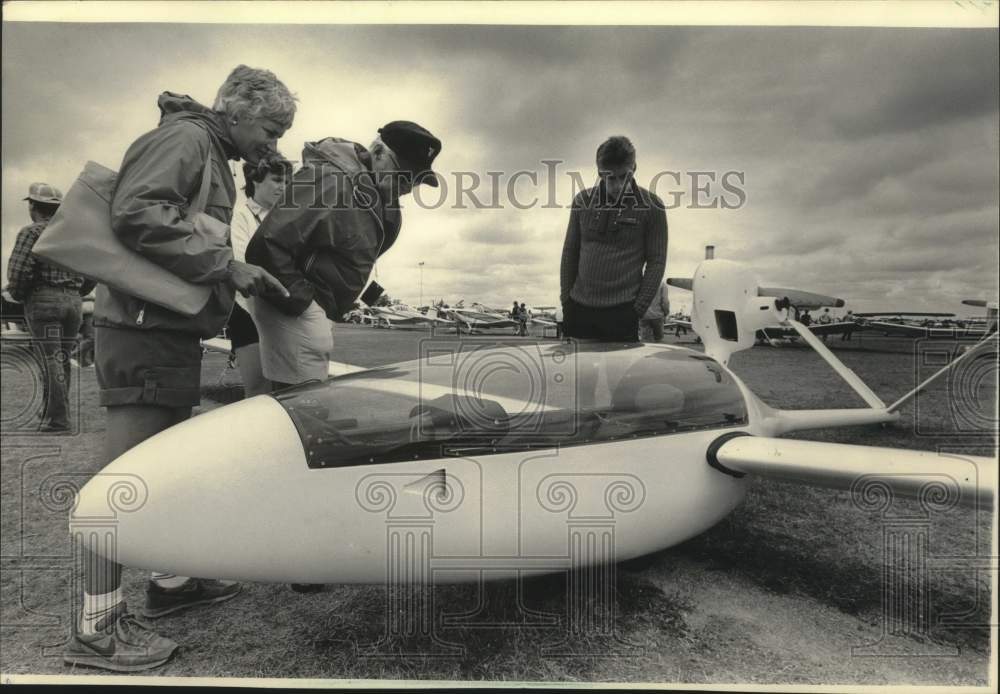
x=340, y=213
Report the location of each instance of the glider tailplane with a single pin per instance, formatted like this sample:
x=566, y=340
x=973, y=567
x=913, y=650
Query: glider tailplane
x=941, y=478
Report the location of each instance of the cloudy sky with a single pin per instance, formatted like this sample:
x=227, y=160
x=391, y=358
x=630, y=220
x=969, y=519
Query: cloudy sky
x=868, y=156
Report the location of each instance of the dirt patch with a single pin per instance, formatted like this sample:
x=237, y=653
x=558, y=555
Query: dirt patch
x=750, y=634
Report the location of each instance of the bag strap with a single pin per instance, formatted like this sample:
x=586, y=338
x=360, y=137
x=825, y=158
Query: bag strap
x=206, y=182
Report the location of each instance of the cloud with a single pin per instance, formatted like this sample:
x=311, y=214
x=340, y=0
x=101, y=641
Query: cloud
x=944, y=81
x=868, y=156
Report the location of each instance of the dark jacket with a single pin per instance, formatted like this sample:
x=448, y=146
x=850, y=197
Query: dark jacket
x=159, y=178
x=321, y=241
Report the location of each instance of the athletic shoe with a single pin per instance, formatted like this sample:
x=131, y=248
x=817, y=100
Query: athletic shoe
x=196, y=591
x=122, y=644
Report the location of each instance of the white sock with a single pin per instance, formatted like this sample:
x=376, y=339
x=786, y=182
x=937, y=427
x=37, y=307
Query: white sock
x=168, y=580
x=96, y=608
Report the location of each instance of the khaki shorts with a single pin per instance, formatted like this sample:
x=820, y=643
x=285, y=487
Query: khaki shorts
x=293, y=349
x=147, y=367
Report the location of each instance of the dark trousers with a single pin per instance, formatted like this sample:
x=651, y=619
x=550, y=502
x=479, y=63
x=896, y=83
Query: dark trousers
x=53, y=316
x=608, y=324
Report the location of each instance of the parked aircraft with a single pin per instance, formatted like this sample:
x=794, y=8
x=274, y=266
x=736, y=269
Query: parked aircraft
x=398, y=315
x=474, y=320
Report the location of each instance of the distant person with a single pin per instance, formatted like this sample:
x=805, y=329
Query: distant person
x=53, y=309
x=614, y=252
x=652, y=320
x=264, y=183
x=824, y=319
x=806, y=319
x=849, y=328
x=342, y=215
x=522, y=320
x=85, y=347
x=680, y=328
x=559, y=322
x=148, y=357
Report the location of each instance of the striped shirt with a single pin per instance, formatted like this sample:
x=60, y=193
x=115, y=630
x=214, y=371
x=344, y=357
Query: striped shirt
x=614, y=253
x=25, y=272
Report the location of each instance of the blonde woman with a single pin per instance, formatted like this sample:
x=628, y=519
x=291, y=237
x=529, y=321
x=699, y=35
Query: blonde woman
x=148, y=358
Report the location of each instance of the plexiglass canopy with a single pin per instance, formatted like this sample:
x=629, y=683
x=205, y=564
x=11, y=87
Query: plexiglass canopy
x=490, y=400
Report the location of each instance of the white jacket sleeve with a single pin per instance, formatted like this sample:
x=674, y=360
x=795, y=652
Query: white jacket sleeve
x=243, y=227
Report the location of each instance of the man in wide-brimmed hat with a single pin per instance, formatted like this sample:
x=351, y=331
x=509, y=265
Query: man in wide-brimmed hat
x=52, y=306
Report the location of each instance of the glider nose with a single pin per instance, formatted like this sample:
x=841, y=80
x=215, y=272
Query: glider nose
x=188, y=491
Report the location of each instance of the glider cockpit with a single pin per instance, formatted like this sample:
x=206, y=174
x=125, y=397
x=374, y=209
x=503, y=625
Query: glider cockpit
x=492, y=401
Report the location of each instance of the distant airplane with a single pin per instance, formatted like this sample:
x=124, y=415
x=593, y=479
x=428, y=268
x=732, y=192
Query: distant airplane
x=896, y=323
x=787, y=298
x=402, y=315
x=990, y=306
x=778, y=335
x=904, y=324
x=473, y=320
x=542, y=315
x=990, y=320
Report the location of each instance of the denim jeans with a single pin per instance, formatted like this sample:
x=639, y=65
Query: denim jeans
x=53, y=315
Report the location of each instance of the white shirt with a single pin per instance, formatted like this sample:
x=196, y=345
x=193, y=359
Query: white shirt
x=246, y=219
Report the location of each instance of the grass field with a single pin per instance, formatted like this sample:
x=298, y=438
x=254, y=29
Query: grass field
x=786, y=589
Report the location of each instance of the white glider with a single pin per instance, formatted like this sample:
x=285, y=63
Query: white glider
x=486, y=463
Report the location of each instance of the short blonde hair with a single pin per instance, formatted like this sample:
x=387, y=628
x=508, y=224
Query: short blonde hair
x=257, y=94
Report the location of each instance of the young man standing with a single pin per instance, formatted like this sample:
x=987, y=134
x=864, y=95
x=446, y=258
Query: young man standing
x=615, y=251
